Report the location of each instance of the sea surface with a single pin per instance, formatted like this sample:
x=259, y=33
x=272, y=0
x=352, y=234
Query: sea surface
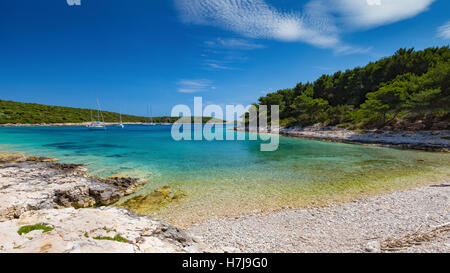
x=230, y=178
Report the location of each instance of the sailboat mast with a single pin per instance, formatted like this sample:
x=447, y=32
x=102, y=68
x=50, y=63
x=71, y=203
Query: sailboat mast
x=99, y=112
x=151, y=114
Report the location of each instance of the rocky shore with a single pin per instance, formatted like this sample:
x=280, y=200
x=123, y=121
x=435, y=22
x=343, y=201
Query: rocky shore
x=36, y=183
x=420, y=140
x=436, y=140
x=51, y=207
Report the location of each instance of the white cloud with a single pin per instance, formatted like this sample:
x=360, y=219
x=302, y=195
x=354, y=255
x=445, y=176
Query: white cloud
x=195, y=86
x=444, y=31
x=372, y=13
x=233, y=43
x=216, y=66
x=253, y=19
x=347, y=50
x=320, y=23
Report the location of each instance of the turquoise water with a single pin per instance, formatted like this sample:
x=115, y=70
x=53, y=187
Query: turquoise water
x=220, y=176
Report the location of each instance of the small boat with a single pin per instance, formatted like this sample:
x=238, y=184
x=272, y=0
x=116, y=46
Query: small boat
x=149, y=113
x=121, y=124
x=97, y=125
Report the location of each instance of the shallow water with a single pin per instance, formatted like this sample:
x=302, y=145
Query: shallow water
x=223, y=178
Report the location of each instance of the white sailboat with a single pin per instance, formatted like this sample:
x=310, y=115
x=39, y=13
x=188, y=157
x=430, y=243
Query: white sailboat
x=121, y=124
x=97, y=125
x=149, y=113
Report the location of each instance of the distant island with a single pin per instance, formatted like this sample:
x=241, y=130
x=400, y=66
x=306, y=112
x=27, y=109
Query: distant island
x=407, y=91
x=12, y=112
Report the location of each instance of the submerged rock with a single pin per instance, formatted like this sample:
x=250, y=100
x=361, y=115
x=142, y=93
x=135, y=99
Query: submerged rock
x=159, y=198
x=11, y=158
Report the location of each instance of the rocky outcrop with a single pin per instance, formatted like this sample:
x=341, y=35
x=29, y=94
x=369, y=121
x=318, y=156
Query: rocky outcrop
x=44, y=208
x=36, y=183
x=101, y=230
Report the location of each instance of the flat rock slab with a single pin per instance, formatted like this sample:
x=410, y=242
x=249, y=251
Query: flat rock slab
x=93, y=231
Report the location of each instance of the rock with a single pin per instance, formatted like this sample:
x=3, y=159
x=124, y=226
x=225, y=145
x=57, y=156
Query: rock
x=373, y=247
x=41, y=196
x=231, y=250
x=111, y=230
x=159, y=198
x=37, y=183
x=441, y=125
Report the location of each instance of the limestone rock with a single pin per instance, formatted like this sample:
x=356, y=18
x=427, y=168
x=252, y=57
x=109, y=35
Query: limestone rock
x=37, y=183
x=111, y=230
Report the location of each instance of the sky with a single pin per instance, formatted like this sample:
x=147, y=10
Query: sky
x=165, y=52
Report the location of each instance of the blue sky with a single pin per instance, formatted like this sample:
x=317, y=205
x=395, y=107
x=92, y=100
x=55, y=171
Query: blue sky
x=164, y=52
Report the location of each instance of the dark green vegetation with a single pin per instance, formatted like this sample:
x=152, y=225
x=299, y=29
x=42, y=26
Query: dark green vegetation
x=116, y=238
x=28, y=229
x=408, y=90
x=31, y=113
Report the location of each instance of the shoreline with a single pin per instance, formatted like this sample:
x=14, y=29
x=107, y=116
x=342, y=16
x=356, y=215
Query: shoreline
x=49, y=207
x=406, y=221
x=433, y=141
x=83, y=124
x=34, y=173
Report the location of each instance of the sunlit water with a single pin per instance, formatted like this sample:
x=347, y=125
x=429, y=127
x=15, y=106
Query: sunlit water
x=227, y=178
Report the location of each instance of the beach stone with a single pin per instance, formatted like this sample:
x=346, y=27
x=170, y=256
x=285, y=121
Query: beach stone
x=373, y=247
x=231, y=250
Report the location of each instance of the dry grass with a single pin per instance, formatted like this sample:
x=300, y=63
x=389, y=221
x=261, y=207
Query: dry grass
x=417, y=238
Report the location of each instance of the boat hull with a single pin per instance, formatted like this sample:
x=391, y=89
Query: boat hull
x=96, y=128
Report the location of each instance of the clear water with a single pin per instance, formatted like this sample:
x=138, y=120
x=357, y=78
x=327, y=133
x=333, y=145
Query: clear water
x=222, y=178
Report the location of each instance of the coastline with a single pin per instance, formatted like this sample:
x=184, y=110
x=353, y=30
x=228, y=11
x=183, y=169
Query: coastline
x=48, y=207
x=433, y=141
x=84, y=124
x=51, y=194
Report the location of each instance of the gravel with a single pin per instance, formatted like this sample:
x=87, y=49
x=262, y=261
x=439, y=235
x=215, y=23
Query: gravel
x=360, y=226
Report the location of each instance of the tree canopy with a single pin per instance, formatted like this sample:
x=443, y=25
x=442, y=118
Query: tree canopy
x=408, y=86
x=31, y=113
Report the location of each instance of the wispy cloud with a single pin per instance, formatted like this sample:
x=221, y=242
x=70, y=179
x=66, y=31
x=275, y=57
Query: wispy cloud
x=444, y=31
x=320, y=23
x=214, y=65
x=252, y=19
x=195, y=86
x=373, y=13
x=233, y=43
x=348, y=49
x=226, y=53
